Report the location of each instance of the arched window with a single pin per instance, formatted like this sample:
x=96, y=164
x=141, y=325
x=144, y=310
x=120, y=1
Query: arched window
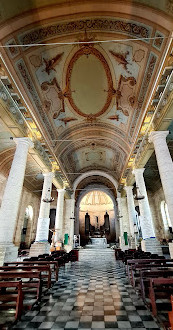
x=27, y=218
x=29, y=212
x=165, y=215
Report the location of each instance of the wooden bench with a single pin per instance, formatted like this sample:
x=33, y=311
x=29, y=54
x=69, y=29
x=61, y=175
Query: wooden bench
x=43, y=269
x=53, y=264
x=11, y=299
x=135, y=269
x=132, y=262
x=170, y=314
x=159, y=288
x=31, y=284
x=145, y=276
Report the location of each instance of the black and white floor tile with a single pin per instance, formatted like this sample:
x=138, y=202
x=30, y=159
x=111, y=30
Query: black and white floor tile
x=92, y=293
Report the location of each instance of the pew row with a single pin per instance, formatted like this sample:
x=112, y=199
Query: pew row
x=53, y=264
x=11, y=297
x=43, y=269
x=31, y=285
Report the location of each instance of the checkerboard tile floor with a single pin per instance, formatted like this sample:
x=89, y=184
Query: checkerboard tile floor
x=93, y=293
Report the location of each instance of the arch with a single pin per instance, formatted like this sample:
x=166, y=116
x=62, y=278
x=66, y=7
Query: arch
x=94, y=172
x=96, y=187
x=165, y=215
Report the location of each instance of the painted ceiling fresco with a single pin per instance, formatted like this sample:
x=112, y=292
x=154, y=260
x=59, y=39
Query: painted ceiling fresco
x=90, y=97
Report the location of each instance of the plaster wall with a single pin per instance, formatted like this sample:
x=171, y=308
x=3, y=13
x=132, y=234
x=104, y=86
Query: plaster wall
x=28, y=198
x=3, y=181
x=155, y=200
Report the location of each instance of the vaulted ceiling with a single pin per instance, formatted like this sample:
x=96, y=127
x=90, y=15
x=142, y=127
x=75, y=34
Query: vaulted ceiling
x=87, y=72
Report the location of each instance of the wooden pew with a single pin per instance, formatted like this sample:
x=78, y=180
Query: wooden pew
x=31, y=286
x=135, y=269
x=11, y=299
x=53, y=264
x=159, y=288
x=131, y=262
x=145, y=276
x=44, y=269
x=170, y=314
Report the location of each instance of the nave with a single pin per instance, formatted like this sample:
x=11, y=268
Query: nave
x=93, y=293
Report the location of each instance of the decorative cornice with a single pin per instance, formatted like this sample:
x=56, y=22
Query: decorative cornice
x=119, y=25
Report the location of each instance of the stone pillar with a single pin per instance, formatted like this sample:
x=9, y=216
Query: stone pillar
x=131, y=213
x=41, y=244
x=59, y=218
x=165, y=166
x=72, y=222
x=11, y=200
x=68, y=227
x=124, y=222
x=149, y=243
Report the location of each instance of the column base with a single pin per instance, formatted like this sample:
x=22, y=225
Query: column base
x=123, y=247
x=8, y=253
x=171, y=249
x=132, y=243
x=39, y=248
x=151, y=245
x=68, y=248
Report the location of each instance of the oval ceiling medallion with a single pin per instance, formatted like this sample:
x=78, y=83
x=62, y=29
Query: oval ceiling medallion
x=89, y=86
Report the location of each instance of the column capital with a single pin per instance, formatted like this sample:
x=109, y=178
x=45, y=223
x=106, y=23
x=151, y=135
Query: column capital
x=48, y=174
x=157, y=135
x=128, y=188
x=138, y=170
x=118, y=194
x=61, y=191
x=24, y=140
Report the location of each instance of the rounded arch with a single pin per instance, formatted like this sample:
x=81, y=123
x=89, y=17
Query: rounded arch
x=165, y=214
x=96, y=187
x=94, y=172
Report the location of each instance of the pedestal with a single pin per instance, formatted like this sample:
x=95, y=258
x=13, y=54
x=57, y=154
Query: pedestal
x=99, y=243
x=8, y=253
x=151, y=245
x=132, y=243
x=68, y=248
x=171, y=249
x=39, y=248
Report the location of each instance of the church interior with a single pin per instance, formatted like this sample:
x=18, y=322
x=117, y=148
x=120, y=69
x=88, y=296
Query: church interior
x=86, y=170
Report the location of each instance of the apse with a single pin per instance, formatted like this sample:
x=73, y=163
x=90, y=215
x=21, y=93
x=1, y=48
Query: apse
x=97, y=216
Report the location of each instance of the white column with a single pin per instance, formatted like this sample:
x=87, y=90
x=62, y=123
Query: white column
x=41, y=245
x=149, y=242
x=42, y=233
x=145, y=212
x=120, y=214
x=72, y=222
x=165, y=166
x=131, y=208
x=125, y=219
x=59, y=216
x=11, y=198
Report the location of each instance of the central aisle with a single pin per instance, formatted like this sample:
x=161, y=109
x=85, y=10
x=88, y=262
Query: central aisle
x=91, y=294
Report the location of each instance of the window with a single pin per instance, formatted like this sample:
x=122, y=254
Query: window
x=165, y=215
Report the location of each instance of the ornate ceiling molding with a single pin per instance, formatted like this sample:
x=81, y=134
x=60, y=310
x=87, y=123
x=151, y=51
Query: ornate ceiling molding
x=118, y=25
x=89, y=50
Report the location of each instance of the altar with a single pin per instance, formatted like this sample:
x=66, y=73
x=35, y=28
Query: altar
x=99, y=242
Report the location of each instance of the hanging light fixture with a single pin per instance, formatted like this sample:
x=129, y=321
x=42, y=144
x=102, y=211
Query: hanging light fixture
x=138, y=195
